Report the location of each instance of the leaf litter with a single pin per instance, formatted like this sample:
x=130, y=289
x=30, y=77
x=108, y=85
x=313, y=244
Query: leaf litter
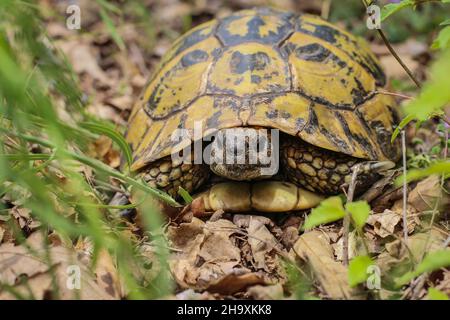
x=220, y=255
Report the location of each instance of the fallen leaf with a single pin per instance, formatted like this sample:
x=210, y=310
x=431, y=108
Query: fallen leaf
x=206, y=255
x=261, y=241
x=426, y=193
x=273, y=292
x=235, y=282
x=314, y=248
x=30, y=274
x=384, y=223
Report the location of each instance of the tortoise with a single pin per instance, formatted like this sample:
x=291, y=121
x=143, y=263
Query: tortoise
x=314, y=83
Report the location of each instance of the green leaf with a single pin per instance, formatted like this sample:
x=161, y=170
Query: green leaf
x=357, y=270
x=360, y=211
x=445, y=22
x=113, y=135
x=432, y=261
x=109, y=6
x=442, y=167
x=401, y=125
x=435, y=93
x=435, y=294
x=392, y=8
x=26, y=157
x=112, y=29
x=185, y=195
x=442, y=41
x=329, y=210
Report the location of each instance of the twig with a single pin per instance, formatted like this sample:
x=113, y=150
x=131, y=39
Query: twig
x=405, y=187
x=418, y=285
x=346, y=225
x=392, y=51
x=396, y=56
x=395, y=94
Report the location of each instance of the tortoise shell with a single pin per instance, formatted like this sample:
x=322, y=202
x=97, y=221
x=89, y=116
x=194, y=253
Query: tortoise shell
x=267, y=68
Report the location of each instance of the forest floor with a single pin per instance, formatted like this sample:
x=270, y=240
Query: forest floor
x=223, y=255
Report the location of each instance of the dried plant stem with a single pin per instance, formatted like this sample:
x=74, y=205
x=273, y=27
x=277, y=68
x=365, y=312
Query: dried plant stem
x=395, y=94
x=421, y=280
x=346, y=225
x=405, y=188
x=396, y=56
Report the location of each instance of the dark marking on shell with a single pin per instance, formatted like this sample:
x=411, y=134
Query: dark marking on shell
x=362, y=141
x=213, y=121
x=253, y=26
x=241, y=63
x=194, y=57
x=256, y=79
x=272, y=114
x=192, y=39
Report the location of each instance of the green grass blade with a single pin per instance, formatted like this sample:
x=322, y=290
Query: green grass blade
x=113, y=135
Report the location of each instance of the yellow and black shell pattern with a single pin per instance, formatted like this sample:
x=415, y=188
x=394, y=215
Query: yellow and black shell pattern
x=267, y=68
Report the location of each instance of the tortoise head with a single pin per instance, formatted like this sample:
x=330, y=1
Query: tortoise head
x=245, y=153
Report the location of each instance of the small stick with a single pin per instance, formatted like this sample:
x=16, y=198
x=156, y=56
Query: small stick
x=346, y=226
x=395, y=94
x=392, y=51
x=405, y=186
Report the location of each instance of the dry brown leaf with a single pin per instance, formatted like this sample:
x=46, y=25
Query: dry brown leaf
x=418, y=244
x=83, y=60
x=273, y=292
x=205, y=253
x=235, y=282
x=425, y=195
x=444, y=284
x=352, y=247
x=27, y=272
x=314, y=248
x=289, y=237
x=384, y=223
x=107, y=275
x=261, y=241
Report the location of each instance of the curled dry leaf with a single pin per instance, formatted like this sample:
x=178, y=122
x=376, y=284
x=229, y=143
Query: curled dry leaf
x=262, y=243
x=384, y=223
x=353, y=247
x=314, y=248
x=236, y=281
x=31, y=276
x=426, y=193
x=398, y=257
x=207, y=257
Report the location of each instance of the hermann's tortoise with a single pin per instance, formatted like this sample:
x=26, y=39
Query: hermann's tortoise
x=265, y=69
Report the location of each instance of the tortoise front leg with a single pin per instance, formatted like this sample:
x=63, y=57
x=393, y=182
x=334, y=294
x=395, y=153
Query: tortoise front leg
x=325, y=171
x=168, y=176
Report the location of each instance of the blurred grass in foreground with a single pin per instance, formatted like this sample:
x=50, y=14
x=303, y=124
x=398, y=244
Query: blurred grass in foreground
x=35, y=143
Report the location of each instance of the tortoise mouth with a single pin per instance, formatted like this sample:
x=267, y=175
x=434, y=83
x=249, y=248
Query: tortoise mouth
x=240, y=172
